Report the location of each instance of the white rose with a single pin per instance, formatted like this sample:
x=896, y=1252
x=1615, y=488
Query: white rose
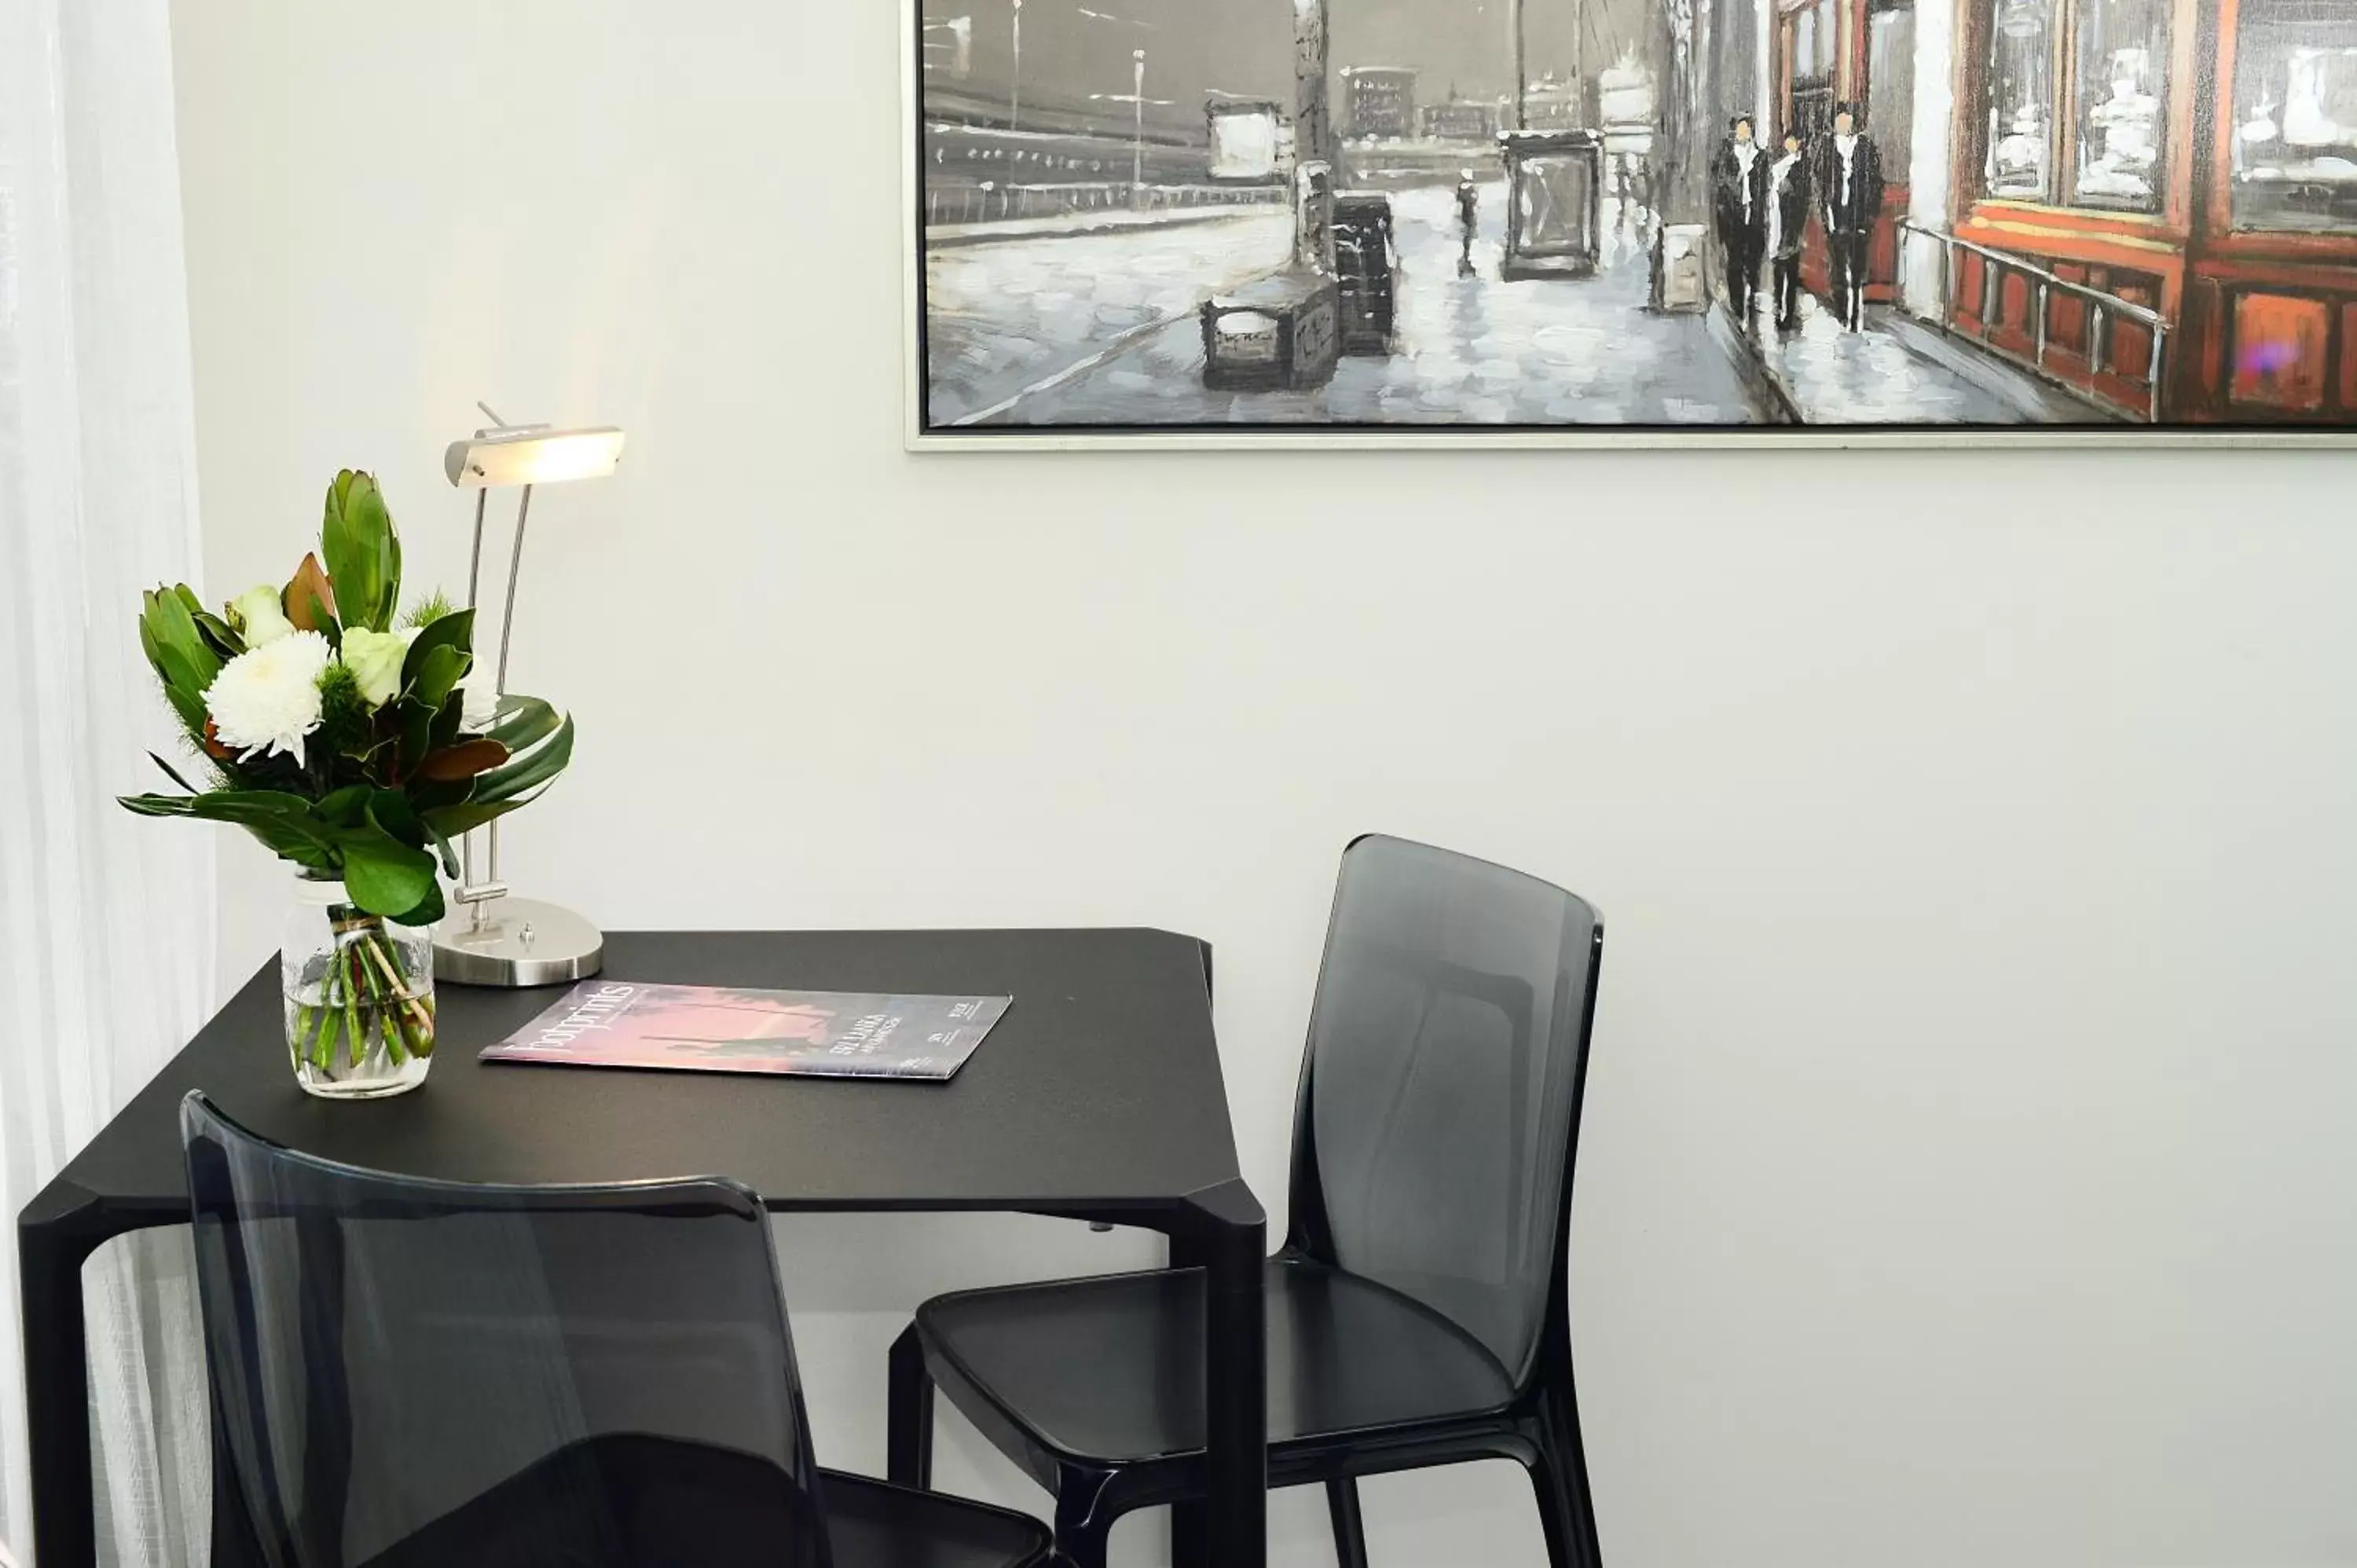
x=268, y=698
x=256, y=616
x=375, y=657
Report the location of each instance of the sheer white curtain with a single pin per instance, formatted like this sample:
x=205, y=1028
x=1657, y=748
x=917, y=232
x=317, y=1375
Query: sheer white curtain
x=106, y=919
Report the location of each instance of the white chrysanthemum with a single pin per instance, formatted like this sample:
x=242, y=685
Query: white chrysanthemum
x=268, y=698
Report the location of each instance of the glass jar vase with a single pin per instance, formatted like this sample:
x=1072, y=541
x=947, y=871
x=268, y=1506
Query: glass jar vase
x=359, y=991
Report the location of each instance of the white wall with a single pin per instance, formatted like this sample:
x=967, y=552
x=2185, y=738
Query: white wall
x=1967, y=1177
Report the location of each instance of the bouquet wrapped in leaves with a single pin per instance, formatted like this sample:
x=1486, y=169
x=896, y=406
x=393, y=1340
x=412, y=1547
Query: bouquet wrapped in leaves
x=347, y=737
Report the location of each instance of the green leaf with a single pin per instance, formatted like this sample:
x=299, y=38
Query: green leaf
x=455, y=631
x=284, y=813
x=446, y=722
x=443, y=847
x=172, y=773
x=357, y=547
x=344, y=808
x=429, y=909
x=469, y=815
x=220, y=637
x=169, y=636
x=520, y=773
x=385, y=876
x=415, y=724
x=522, y=722
x=390, y=809
x=326, y=624
x=437, y=673
x=157, y=805
x=190, y=706
x=281, y=822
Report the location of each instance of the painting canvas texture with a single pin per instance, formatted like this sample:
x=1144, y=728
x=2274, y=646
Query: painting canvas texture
x=1643, y=215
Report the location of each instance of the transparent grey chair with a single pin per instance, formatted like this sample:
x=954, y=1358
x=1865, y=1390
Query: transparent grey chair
x=1418, y=1313
x=411, y=1372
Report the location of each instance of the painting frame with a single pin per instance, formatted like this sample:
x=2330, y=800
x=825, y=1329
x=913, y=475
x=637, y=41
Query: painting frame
x=920, y=435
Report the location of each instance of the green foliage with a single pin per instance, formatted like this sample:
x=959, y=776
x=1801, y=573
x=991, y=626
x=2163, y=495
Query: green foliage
x=347, y=724
x=184, y=662
x=361, y=552
x=429, y=609
x=380, y=792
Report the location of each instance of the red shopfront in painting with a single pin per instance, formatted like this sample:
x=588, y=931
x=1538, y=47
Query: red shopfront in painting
x=2197, y=159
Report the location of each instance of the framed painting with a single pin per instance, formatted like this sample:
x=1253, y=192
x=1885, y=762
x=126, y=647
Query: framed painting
x=1313, y=222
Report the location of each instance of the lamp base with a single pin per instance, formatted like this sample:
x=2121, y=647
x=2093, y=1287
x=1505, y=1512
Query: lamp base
x=523, y=942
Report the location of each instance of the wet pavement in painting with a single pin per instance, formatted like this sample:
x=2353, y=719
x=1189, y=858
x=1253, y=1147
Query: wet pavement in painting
x=1009, y=314
x=1101, y=328
x=1471, y=351
x=1834, y=376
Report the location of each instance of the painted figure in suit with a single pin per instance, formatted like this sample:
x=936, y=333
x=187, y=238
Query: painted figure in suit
x=1468, y=210
x=1849, y=190
x=1738, y=186
x=1786, y=202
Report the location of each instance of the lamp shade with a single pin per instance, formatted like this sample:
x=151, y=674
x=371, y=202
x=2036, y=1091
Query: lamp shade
x=532, y=457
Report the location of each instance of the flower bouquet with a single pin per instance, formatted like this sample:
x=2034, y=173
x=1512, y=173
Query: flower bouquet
x=350, y=743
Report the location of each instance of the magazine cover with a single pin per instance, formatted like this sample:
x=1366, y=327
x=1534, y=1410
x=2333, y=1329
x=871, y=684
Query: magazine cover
x=705, y=1028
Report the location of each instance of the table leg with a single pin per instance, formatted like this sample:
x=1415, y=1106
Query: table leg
x=1190, y=1521
x=57, y=1395
x=1232, y=1233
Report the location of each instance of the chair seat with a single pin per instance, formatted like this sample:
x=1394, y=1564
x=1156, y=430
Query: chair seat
x=1109, y=1370
x=874, y=1524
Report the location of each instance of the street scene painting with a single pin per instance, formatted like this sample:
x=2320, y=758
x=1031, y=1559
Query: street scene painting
x=1652, y=215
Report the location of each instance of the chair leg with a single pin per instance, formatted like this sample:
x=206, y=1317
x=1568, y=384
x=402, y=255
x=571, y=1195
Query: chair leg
x=1350, y=1530
x=1559, y=1476
x=908, y=1414
x=1083, y=1527
x=1191, y=1534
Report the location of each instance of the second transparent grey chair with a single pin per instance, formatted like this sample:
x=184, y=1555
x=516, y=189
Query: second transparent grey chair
x=1418, y=1313
x=409, y=1373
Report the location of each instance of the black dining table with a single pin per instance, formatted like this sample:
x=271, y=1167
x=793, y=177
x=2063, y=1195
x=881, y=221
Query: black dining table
x=1097, y=1098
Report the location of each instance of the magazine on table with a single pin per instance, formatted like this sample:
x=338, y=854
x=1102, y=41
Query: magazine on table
x=711, y=1028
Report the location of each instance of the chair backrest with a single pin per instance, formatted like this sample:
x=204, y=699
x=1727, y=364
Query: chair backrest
x=408, y=1372
x=1440, y=1092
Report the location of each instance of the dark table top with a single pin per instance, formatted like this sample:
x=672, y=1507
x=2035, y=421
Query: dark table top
x=1099, y=1092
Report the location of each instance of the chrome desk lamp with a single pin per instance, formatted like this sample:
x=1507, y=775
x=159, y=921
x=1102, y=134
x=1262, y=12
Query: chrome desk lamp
x=493, y=939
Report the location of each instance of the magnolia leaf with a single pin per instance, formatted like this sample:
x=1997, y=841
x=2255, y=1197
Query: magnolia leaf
x=309, y=599
x=447, y=722
x=439, y=672
x=464, y=760
x=385, y=875
x=454, y=630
